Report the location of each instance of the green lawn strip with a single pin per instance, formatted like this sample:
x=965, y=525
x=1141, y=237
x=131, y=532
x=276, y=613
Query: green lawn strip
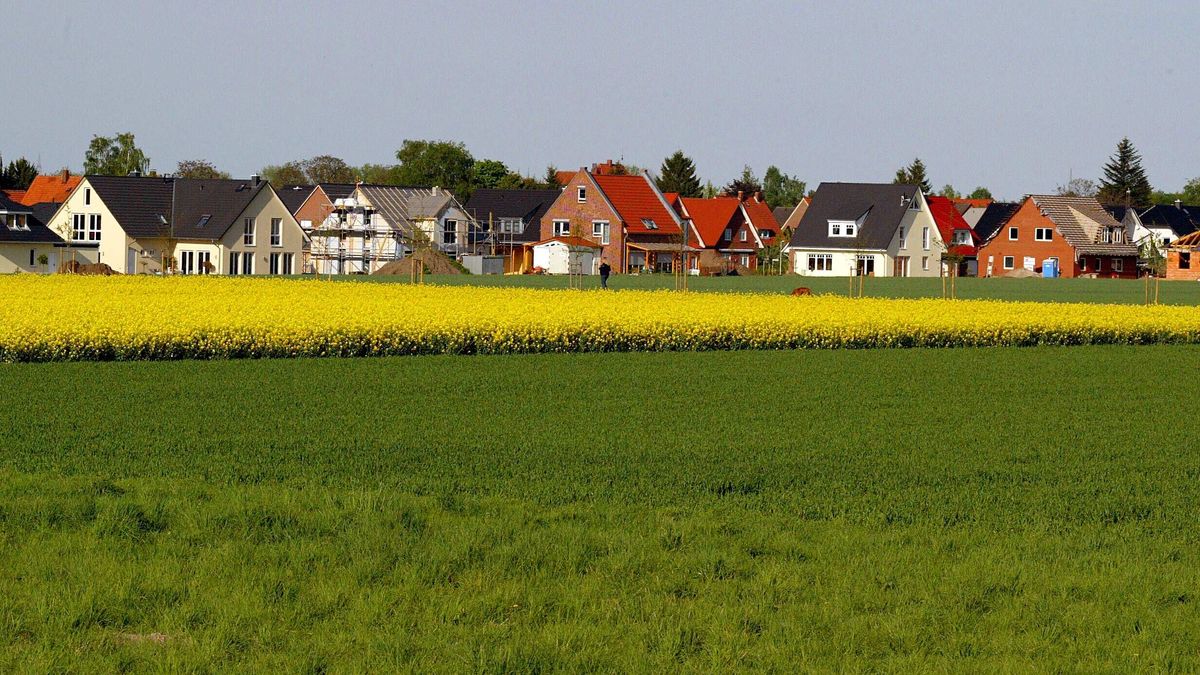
x=1106, y=291
x=921, y=509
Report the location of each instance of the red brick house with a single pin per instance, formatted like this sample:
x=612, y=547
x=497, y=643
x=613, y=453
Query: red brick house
x=624, y=214
x=731, y=230
x=1075, y=232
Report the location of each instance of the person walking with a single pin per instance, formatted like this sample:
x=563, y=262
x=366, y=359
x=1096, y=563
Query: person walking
x=605, y=270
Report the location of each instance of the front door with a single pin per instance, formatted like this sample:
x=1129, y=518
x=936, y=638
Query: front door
x=131, y=261
x=901, y=267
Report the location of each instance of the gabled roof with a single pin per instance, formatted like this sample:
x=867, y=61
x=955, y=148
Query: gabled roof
x=193, y=208
x=760, y=215
x=564, y=177
x=36, y=217
x=336, y=191
x=638, y=204
x=50, y=188
x=994, y=218
x=710, y=216
x=948, y=221
x=528, y=205
x=400, y=206
x=881, y=206
x=1182, y=220
x=781, y=214
x=574, y=242
x=294, y=196
x=1081, y=221
x=17, y=196
x=1188, y=241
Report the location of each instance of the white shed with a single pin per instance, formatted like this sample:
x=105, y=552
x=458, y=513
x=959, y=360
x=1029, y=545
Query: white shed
x=564, y=255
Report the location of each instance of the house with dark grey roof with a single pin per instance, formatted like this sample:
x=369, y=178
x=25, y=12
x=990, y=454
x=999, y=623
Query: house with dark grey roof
x=24, y=238
x=1074, y=236
x=377, y=224
x=992, y=219
x=157, y=225
x=509, y=221
x=1163, y=223
x=877, y=229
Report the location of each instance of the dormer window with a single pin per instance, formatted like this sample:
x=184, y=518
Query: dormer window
x=914, y=204
x=581, y=193
x=843, y=228
x=1106, y=236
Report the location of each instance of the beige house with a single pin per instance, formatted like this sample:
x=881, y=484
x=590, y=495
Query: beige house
x=26, y=244
x=148, y=225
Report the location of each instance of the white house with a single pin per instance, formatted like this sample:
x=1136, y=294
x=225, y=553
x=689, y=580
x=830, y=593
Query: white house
x=567, y=255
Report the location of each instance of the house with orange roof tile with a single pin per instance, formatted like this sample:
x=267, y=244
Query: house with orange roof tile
x=50, y=188
x=732, y=231
x=628, y=217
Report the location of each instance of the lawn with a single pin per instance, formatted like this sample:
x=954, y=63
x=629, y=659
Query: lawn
x=964, y=509
x=1119, y=291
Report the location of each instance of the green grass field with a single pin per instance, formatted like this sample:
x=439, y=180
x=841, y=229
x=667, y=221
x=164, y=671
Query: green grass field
x=967, y=509
x=1118, y=291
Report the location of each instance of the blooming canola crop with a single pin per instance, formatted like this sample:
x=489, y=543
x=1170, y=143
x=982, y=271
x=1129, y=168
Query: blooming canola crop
x=46, y=318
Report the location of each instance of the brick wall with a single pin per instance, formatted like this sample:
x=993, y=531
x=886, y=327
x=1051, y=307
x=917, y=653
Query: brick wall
x=581, y=214
x=1027, y=219
x=1174, y=272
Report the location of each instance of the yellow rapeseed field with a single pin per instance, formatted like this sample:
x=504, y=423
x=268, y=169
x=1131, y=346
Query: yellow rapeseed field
x=64, y=317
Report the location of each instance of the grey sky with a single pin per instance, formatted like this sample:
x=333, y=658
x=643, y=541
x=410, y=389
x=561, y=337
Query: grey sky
x=1009, y=95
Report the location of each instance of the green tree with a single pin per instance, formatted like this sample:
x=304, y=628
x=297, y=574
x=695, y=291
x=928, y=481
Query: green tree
x=115, y=156
x=1190, y=194
x=378, y=174
x=949, y=192
x=914, y=174
x=780, y=189
x=980, y=192
x=291, y=173
x=551, y=179
x=487, y=173
x=747, y=184
x=18, y=175
x=710, y=190
x=1125, y=181
x=199, y=168
x=327, y=169
x=678, y=174
x=446, y=164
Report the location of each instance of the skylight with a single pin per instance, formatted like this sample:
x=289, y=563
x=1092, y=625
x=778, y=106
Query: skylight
x=204, y=220
x=650, y=224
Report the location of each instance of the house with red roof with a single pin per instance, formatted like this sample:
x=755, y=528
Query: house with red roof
x=53, y=188
x=628, y=217
x=732, y=231
x=960, y=241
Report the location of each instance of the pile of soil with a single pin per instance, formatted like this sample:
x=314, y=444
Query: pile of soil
x=1021, y=273
x=435, y=262
x=76, y=267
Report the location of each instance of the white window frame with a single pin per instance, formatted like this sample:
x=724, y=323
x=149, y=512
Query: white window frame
x=1014, y=233
x=925, y=263
x=1118, y=264
x=79, y=227
x=187, y=262
x=742, y=235
x=562, y=228
x=601, y=231
x=277, y=232
x=249, y=225
x=203, y=257
x=94, y=227
x=926, y=238
x=903, y=243
x=1049, y=232
x=820, y=262
x=450, y=232
x=1099, y=264
x=843, y=228
x=581, y=193
x=745, y=260
x=1008, y=262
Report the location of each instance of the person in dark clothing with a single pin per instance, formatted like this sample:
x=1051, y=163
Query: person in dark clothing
x=605, y=270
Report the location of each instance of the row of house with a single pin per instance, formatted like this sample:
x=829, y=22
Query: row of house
x=155, y=225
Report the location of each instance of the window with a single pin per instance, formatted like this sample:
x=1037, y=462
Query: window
x=925, y=263
x=1083, y=264
x=94, y=227
x=235, y=260
x=248, y=231
x=728, y=236
x=962, y=237
x=1106, y=236
x=903, y=244
x=1185, y=260
x=87, y=197
x=600, y=231
x=187, y=262
x=925, y=238
x=745, y=260
x=78, y=227
x=820, y=262
x=275, y=260
x=1012, y=234
x=866, y=265
x=30, y=257
x=204, y=220
x=842, y=228
x=581, y=193
x=12, y=221
x=1118, y=265
x=247, y=263
x=766, y=234
x=1099, y=264
x=511, y=226
x=450, y=233
x=742, y=235
x=649, y=224
x=1009, y=262
x=915, y=204
x=277, y=231
x=562, y=228
x=288, y=258
x=203, y=262
x=1043, y=234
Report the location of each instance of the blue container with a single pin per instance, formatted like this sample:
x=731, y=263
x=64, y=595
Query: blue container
x=1050, y=269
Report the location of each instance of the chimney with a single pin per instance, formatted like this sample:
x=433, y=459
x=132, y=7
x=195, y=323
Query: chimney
x=256, y=179
x=436, y=190
x=66, y=175
x=758, y=196
x=741, y=195
x=1178, y=203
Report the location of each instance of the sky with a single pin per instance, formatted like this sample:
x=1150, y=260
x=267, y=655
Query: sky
x=1015, y=96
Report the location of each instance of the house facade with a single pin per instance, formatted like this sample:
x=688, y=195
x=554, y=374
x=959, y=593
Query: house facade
x=150, y=225
x=874, y=229
x=959, y=243
x=731, y=232
x=628, y=217
x=1183, y=258
x=510, y=222
x=25, y=241
x=1075, y=235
